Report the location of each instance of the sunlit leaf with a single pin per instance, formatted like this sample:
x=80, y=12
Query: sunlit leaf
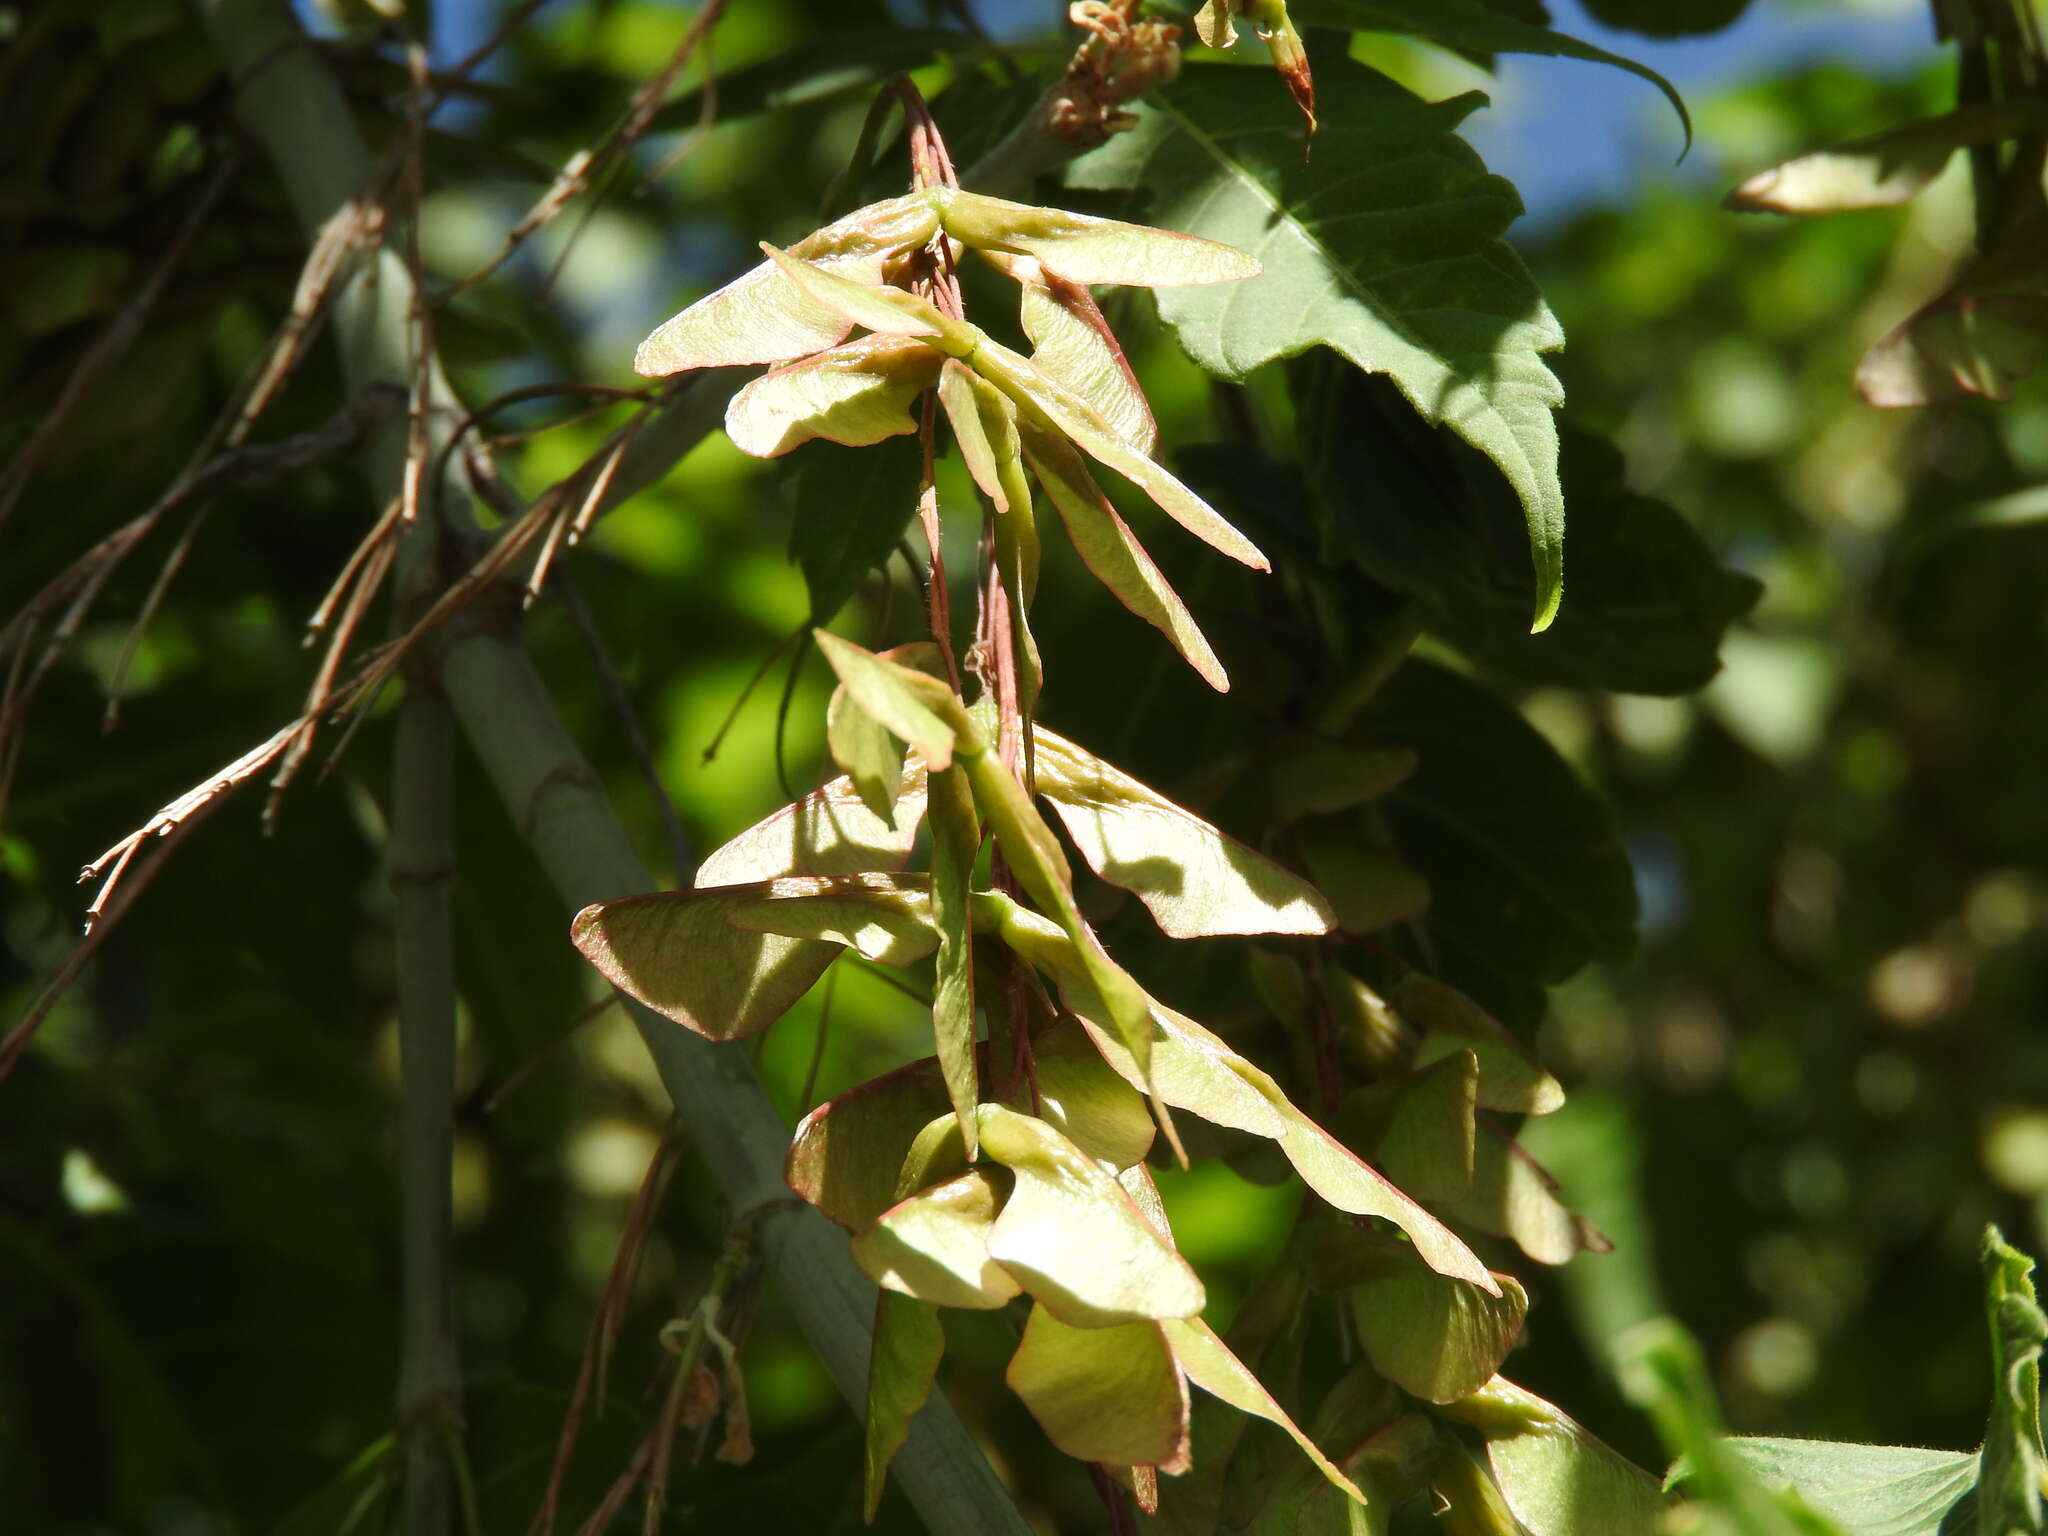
x=856, y=394
x=1071, y=1236
x=1386, y=248
x=1072, y=343
x=1084, y=249
x=1194, y=880
x=881, y=308
x=1512, y=1196
x=871, y=758
x=1103, y=1394
x=1886, y=168
x=1113, y=554
x=1473, y=26
x=1082, y=1097
x=903, y=1362
x=1438, y=1338
x=1211, y=1366
x=956, y=841
x=892, y=696
x=934, y=1245
x=848, y=1153
x=763, y=317
x=887, y=918
x=826, y=832
x=1867, y=1490
x=1053, y=407
x=1558, y=1479
x=1510, y=1078
x=985, y=428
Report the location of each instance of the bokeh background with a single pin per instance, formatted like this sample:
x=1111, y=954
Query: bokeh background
x=1793, y=1110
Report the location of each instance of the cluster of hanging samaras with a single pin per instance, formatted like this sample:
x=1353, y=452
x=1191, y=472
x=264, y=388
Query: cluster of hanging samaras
x=1073, y=395
x=1042, y=1190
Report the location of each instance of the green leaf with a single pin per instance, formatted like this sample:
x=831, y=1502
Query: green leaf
x=1424, y=513
x=1422, y=1129
x=1082, y=1098
x=1663, y=1372
x=887, y=918
x=1868, y=1490
x=1558, y=1479
x=826, y=832
x=893, y=695
x=1527, y=874
x=1321, y=780
x=1512, y=1196
x=1386, y=248
x=985, y=427
x=1437, y=1338
x=1071, y=1236
x=1369, y=889
x=764, y=317
x=1052, y=407
x=1113, y=554
x=1472, y=26
x=871, y=758
x=850, y=508
x=1510, y=1077
x=903, y=1362
x=1085, y=249
x=849, y=1152
x=934, y=1245
x=1210, y=1365
x=1195, y=881
x=874, y=304
x=956, y=843
x=857, y=394
x=1103, y=1394
x=2010, y=1500
x=1667, y=18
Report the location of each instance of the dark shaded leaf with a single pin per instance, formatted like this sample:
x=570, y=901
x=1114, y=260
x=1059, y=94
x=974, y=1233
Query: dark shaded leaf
x=851, y=506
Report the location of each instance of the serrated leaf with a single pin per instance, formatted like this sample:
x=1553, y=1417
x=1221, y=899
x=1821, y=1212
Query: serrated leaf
x=764, y=317
x=1103, y=1394
x=1386, y=248
x=1868, y=1490
x=1434, y=1337
x=893, y=695
x=903, y=1362
x=851, y=505
x=934, y=1245
x=849, y=1152
x=856, y=394
x=1472, y=26
x=1210, y=1365
x=1052, y=407
x=1195, y=881
x=1426, y=514
x=956, y=842
x=1113, y=554
x=2012, y=1499
x=1510, y=1077
x=1557, y=1479
x=1085, y=249
x=1071, y=1237
x=1527, y=873
x=1082, y=1098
